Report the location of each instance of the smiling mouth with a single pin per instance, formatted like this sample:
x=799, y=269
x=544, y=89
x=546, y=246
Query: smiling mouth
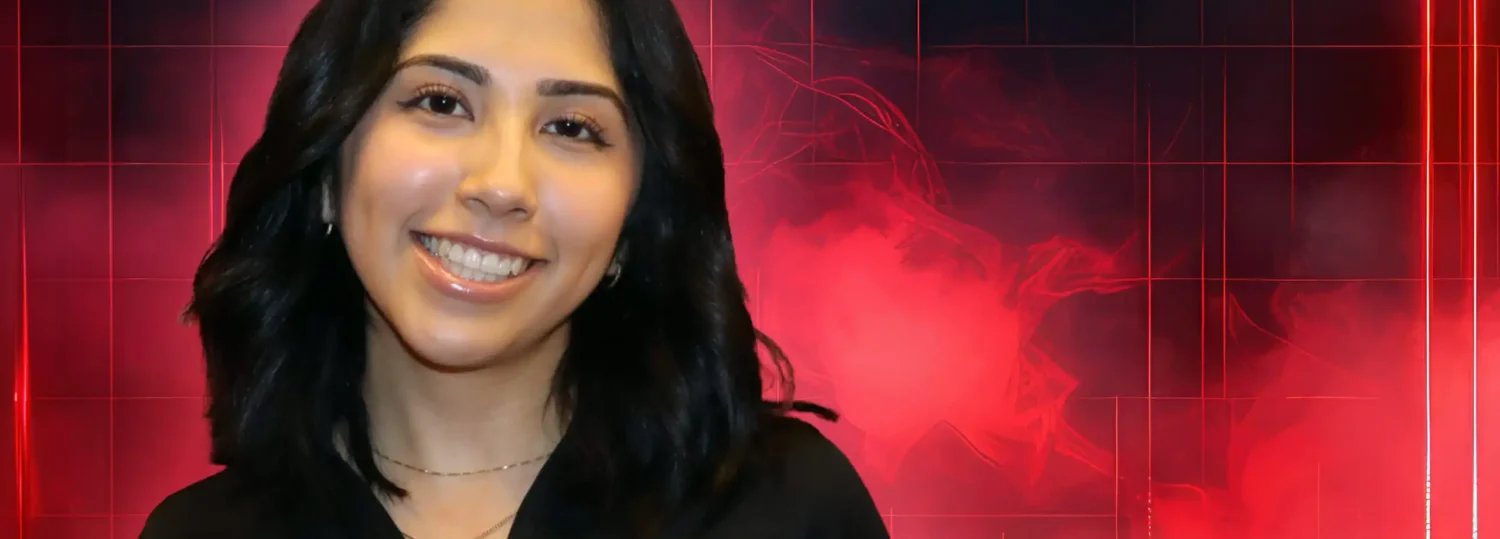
x=473, y=264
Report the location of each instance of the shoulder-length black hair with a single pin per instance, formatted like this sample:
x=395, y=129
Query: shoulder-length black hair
x=662, y=382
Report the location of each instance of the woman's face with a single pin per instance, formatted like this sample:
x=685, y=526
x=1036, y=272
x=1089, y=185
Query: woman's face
x=483, y=194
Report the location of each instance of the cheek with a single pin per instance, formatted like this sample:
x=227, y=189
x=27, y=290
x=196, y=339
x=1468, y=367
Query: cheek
x=586, y=209
x=392, y=179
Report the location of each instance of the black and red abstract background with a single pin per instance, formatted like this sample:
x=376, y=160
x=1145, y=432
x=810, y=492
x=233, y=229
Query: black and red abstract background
x=1072, y=269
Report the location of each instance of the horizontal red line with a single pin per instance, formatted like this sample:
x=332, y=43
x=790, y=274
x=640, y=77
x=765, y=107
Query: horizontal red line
x=1113, y=281
x=895, y=515
x=85, y=398
x=102, y=46
x=1222, y=399
x=1417, y=46
x=86, y=515
x=55, y=280
x=1153, y=163
x=112, y=163
x=1001, y=515
x=1058, y=46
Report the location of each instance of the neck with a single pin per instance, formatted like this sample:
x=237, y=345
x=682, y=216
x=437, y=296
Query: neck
x=449, y=421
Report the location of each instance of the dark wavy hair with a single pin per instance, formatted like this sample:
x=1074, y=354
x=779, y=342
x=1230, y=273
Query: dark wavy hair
x=663, y=381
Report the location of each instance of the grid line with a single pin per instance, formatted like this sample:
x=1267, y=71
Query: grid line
x=1150, y=271
x=1038, y=163
x=1292, y=108
x=22, y=402
x=109, y=155
x=1202, y=257
x=774, y=44
x=214, y=189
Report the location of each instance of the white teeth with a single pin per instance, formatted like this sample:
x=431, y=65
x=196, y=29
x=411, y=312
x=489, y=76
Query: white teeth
x=473, y=264
x=491, y=263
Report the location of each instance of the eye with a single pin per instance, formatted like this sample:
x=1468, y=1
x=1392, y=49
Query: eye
x=440, y=101
x=577, y=128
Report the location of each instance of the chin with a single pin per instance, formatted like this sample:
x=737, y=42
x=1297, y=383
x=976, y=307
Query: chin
x=454, y=356
x=456, y=343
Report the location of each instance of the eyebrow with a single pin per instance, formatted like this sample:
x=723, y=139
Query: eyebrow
x=469, y=70
x=546, y=88
x=566, y=88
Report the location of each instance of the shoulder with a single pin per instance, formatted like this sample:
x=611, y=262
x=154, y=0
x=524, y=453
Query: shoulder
x=216, y=506
x=802, y=479
x=806, y=461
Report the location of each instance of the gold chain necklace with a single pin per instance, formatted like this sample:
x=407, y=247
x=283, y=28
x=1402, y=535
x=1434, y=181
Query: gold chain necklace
x=426, y=471
x=483, y=535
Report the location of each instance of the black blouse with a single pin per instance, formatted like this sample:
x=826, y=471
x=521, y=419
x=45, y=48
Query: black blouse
x=814, y=493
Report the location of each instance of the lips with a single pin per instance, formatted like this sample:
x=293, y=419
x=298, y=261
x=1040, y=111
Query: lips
x=473, y=263
x=473, y=270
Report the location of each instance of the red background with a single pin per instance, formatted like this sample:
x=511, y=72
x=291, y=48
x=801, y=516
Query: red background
x=1204, y=311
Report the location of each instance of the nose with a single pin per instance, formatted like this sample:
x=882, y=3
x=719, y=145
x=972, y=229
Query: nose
x=502, y=186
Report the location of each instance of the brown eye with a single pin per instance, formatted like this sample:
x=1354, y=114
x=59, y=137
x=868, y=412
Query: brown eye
x=442, y=104
x=578, y=129
x=439, y=101
x=570, y=129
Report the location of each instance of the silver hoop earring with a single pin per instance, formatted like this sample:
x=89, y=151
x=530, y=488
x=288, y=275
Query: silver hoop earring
x=613, y=273
x=328, y=231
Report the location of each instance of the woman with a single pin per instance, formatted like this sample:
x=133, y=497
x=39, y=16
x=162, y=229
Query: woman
x=476, y=280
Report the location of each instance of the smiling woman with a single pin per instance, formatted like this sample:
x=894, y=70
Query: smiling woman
x=476, y=280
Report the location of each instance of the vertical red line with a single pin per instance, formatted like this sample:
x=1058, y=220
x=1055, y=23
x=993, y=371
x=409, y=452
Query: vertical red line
x=220, y=171
x=1224, y=229
x=916, y=126
x=1026, y=21
x=22, y=394
x=23, y=387
x=812, y=72
x=1150, y=323
x=1292, y=112
x=214, y=169
x=1202, y=259
x=1474, y=259
x=109, y=164
x=711, y=44
x=219, y=168
x=1136, y=98
x=1427, y=260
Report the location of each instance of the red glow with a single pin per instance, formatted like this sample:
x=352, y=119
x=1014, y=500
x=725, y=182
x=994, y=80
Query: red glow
x=957, y=352
x=1306, y=460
